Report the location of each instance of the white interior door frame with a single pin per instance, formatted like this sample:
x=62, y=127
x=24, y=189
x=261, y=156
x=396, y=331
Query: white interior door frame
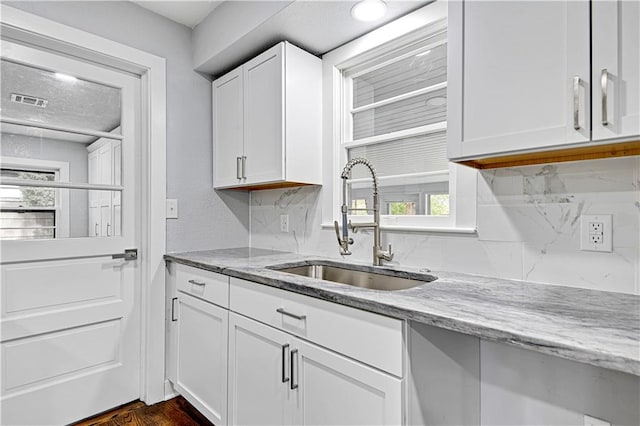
x=44, y=33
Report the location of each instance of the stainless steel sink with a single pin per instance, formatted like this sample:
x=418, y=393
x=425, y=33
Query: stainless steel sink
x=383, y=279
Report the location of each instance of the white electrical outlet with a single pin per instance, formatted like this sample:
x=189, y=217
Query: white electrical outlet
x=172, y=208
x=596, y=233
x=284, y=223
x=592, y=421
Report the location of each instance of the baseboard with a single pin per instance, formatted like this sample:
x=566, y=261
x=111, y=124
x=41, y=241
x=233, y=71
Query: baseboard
x=169, y=391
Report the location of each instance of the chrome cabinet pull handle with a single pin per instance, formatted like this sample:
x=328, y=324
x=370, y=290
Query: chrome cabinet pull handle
x=604, y=80
x=285, y=348
x=294, y=383
x=173, y=309
x=108, y=227
x=289, y=314
x=196, y=282
x=96, y=228
x=244, y=167
x=576, y=102
x=238, y=167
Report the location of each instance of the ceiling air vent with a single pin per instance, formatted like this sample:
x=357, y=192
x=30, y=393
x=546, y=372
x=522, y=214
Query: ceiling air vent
x=29, y=100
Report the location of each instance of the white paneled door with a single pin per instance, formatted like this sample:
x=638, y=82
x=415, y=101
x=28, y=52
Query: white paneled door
x=70, y=321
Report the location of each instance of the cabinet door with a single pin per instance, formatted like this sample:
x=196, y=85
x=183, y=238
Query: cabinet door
x=259, y=374
x=336, y=390
x=616, y=69
x=201, y=374
x=228, y=129
x=264, y=116
x=116, y=197
x=171, y=321
x=94, y=196
x=105, y=177
x=519, y=76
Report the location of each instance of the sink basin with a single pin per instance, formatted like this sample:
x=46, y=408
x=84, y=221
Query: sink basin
x=378, y=279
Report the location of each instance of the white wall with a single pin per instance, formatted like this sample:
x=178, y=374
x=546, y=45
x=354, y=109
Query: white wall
x=74, y=153
x=207, y=219
x=528, y=226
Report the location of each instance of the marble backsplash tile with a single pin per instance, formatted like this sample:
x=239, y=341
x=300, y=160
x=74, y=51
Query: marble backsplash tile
x=528, y=226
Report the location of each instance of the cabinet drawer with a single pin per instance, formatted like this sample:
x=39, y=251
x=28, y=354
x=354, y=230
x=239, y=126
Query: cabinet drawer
x=203, y=284
x=370, y=338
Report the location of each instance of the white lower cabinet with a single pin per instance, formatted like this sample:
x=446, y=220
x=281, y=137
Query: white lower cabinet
x=298, y=360
x=201, y=356
x=198, y=324
x=334, y=390
x=279, y=358
x=259, y=374
x=278, y=379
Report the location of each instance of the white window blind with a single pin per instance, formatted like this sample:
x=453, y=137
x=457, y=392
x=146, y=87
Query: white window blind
x=396, y=118
x=415, y=154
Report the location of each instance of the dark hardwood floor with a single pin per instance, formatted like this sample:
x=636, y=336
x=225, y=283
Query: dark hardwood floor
x=175, y=412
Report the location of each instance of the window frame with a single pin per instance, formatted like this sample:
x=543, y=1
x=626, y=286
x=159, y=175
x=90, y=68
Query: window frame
x=336, y=107
x=61, y=171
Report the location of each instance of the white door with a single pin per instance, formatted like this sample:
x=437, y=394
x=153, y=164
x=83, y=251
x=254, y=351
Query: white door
x=70, y=322
x=335, y=390
x=616, y=69
x=259, y=374
x=228, y=129
x=201, y=356
x=519, y=76
x=264, y=116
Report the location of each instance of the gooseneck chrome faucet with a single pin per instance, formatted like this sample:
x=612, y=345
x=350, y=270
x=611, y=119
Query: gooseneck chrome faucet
x=344, y=241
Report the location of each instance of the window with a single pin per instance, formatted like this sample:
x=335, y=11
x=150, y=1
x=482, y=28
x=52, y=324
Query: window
x=28, y=213
x=389, y=104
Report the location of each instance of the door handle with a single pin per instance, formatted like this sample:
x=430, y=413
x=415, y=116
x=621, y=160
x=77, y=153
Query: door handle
x=604, y=80
x=285, y=349
x=173, y=309
x=129, y=254
x=576, y=102
x=238, y=167
x=294, y=355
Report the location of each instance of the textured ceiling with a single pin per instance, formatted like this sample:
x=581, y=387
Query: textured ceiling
x=72, y=104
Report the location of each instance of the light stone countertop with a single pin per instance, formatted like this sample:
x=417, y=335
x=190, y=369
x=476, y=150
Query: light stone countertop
x=595, y=327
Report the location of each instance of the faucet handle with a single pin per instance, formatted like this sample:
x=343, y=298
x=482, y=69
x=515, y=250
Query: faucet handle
x=386, y=255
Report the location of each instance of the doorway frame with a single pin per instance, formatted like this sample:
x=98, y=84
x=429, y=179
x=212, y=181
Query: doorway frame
x=50, y=35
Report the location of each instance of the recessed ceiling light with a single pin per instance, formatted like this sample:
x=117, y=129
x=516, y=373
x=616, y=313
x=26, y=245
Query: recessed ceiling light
x=369, y=10
x=65, y=77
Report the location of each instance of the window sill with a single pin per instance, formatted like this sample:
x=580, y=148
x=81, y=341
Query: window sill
x=424, y=229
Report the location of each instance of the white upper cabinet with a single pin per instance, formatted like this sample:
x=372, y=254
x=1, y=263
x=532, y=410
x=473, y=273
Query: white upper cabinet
x=267, y=121
x=227, y=128
x=520, y=74
x=615, y=42
x=105, y=168
x=264, y=115
x=522, y=84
